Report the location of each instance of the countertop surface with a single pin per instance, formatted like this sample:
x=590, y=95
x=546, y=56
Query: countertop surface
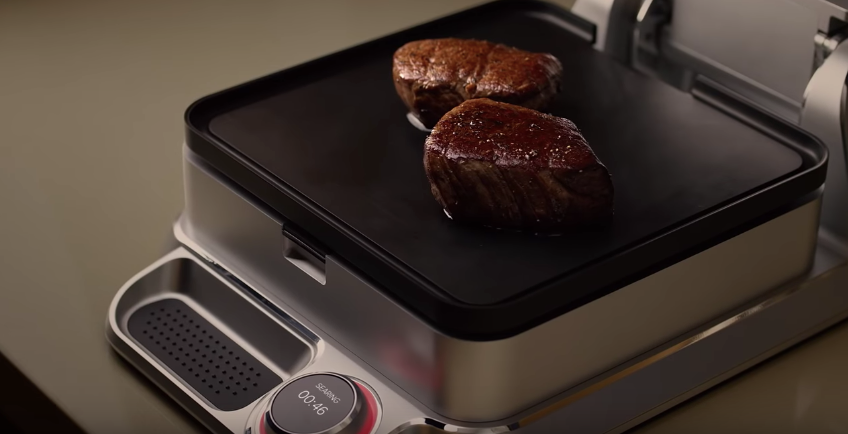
x=92, y=94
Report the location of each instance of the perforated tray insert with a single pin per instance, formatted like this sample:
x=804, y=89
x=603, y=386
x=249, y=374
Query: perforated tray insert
x=207, y=360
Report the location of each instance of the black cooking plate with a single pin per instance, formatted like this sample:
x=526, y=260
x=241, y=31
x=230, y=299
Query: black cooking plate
x=327, y=144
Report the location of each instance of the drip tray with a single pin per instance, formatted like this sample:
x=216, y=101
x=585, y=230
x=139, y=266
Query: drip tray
x=196, y=351
x=181, y=322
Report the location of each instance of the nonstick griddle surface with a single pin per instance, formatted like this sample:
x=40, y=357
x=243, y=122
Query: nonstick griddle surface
x=333, y=138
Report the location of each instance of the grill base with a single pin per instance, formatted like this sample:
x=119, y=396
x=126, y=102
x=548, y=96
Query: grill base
x=610, y=403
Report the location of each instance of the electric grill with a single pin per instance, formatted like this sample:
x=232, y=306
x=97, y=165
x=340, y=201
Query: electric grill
x=318, y=287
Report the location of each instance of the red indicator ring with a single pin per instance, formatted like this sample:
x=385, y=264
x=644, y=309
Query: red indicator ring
x=370, y=418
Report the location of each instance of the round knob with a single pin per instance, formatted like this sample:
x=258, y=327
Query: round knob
x=324, y=403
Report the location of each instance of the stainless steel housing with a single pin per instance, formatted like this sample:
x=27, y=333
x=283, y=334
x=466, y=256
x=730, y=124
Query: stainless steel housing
x=488, y=381
x=611, y=402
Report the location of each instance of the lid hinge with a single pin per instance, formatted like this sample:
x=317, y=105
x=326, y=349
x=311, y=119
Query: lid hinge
x=664, y=45
x=647, y=51
x=826, y=42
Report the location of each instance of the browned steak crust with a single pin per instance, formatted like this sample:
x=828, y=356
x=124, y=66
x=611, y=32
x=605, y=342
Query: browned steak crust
x=509, y=167
x=435, y=75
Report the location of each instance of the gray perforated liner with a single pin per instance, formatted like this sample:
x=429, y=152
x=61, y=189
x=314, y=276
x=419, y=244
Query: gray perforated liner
x=196, y=351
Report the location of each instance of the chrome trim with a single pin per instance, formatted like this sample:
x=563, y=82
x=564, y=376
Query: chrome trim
x=378, y=418
x=433, y=426
x=824, y=115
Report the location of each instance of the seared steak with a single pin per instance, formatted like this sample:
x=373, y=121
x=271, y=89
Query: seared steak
x=509, y=167
x=435, y=75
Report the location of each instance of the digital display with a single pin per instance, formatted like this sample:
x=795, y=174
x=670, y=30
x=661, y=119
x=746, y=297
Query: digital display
x=312, y=404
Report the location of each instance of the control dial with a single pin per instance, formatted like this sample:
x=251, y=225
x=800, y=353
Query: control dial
x=323, y=403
